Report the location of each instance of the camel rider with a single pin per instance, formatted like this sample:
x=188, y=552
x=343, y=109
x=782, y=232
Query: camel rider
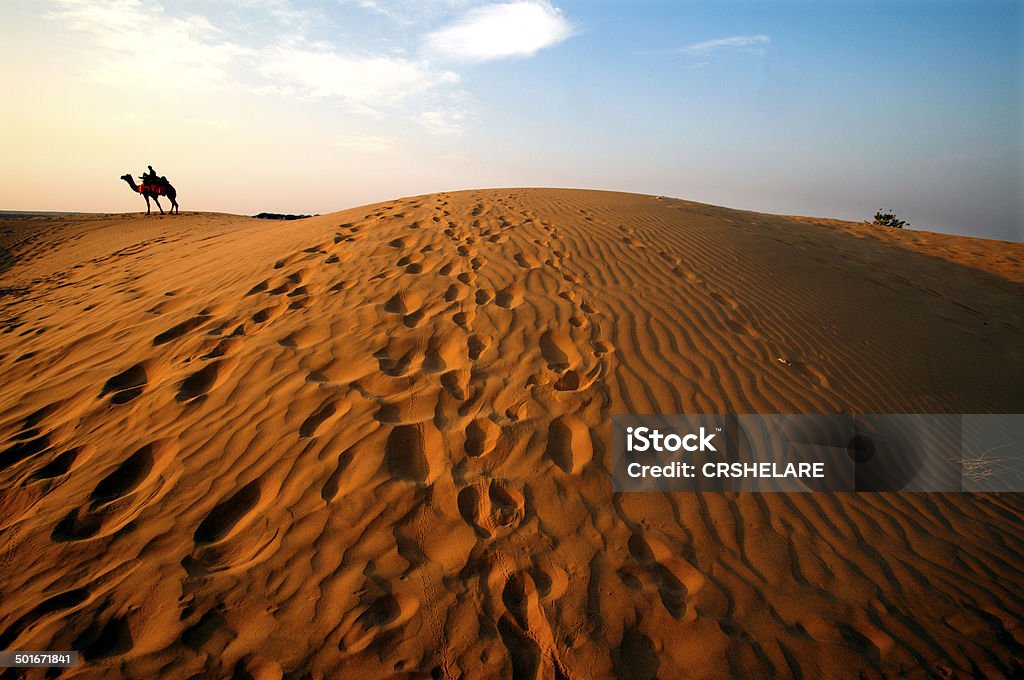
x=149, y=177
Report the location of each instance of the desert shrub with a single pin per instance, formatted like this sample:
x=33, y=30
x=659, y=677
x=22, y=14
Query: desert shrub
x=889, y=219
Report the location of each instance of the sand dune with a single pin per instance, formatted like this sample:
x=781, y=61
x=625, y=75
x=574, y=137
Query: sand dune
x=375, y=443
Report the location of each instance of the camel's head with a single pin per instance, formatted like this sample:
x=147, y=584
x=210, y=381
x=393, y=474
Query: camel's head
x=126, y=177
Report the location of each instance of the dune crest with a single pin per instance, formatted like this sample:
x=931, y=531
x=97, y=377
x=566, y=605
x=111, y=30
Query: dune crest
x=376, y=442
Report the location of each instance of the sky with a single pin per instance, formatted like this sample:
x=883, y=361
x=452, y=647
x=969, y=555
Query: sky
x=827, y=108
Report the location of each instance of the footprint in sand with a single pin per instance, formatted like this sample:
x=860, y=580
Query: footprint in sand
x=267, y=314
x=342, y=285
x=105, y=638
x=126, y=385
x=414, y=319
x=558, y=351
x=120, y=496
x=195, y=387
x=571, y=381
x=394, y=366
x=526, y=633
x=456, y=383
x=522, y=261
x=328, y=410
x=477, y=345
x=492, y=506
x=675, y=578
x=30, y=441
x=482, y=437
x=509, y=297
x=284, y=262
x=464, y=319
x=260, y=287
x=228, y=345
x=284, y=286
x=455, y=293
x=636, y=656
x=333, y=484
x=570, y=445
x=65, y=603
x=442, y=352
x=406, y=452
x=234, y=535
x=181, y=329
x=379, y=610
x=125, y=478
x=62, y=463
x=229, y=514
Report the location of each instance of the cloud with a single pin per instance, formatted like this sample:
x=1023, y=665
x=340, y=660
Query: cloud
x=441, y=122
x=445, y=113
x=138, y=43
x=133, y=42
x=267, y=48
x=751, y=43
x=366, y=80
x=512, y=29
x=703, y=53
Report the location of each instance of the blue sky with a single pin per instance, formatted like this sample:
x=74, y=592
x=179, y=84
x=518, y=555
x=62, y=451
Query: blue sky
x=824, y=108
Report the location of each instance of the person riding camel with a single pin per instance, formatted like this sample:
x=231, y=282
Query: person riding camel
x=149, y=178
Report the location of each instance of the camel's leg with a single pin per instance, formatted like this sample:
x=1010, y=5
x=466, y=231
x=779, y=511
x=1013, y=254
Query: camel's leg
x=174, y=206
x=147, y=202
x=156, y=199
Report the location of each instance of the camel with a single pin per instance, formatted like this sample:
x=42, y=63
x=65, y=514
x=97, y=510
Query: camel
x=155, y=191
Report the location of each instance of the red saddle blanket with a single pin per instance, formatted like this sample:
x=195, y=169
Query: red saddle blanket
x=153, y=189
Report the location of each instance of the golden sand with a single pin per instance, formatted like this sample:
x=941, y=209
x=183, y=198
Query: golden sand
x=375, y=443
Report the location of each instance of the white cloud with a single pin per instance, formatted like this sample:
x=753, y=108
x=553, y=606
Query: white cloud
x=365, y=80
x=138, y=43
x=133, y=42
x=753, y=43
x=441, y=122
x=512, y=29
x=265, y=47
x=444, y=113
